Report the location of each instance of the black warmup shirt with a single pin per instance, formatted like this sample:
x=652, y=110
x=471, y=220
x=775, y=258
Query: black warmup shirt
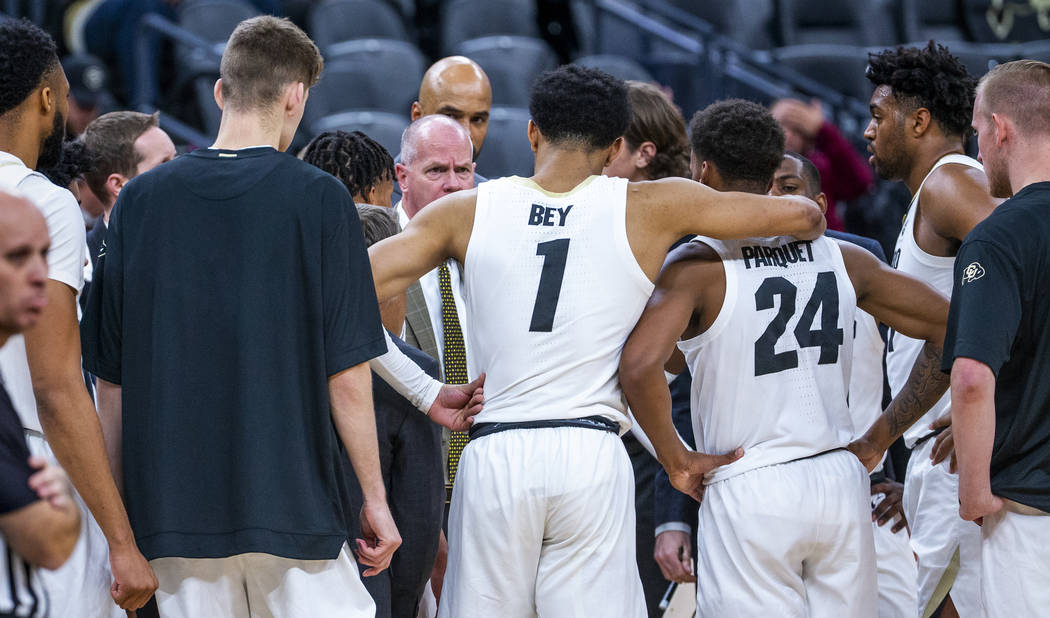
x=20, y=591
x=232, y=284
x=999, y=316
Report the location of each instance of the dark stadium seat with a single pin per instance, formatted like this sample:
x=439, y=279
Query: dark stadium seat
x=842, y=22
x=383, y=127
x=334, y=21
x=617, y=66
x=367, y=74
x=749, y=22
x=506, y=151
x=839, y=67
x=462, y=20
x=940, y=20
x=213, y=21
x=511, y=62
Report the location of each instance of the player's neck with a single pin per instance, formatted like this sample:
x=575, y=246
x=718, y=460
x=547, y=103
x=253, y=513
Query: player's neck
x=561, y=170
x=16, y=141
x=1029, y=166
x=927, y=156
x=246, y=129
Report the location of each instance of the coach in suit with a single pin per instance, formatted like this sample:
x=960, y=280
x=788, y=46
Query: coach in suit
x=455, y=87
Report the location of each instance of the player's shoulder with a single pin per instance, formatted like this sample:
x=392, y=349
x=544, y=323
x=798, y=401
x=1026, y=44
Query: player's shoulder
x=57, y=204
x=952, y=179
x=698, y=251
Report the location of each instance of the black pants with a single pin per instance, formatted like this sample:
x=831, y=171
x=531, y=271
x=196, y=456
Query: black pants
x=645, y=467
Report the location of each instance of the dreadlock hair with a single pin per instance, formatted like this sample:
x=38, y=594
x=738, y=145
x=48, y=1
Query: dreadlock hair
x=27, y=55
x=929, y=77
x=76, y=161
x=357, y=160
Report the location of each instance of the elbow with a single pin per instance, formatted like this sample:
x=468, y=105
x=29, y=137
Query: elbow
x=811, y=221
x=635, y=371
x=60, y=546
x=972, y=381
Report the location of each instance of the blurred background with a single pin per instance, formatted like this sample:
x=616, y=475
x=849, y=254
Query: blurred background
x=805, y=58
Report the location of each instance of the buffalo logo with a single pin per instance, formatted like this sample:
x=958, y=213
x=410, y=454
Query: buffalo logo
x=972, y=273
x=102, y=248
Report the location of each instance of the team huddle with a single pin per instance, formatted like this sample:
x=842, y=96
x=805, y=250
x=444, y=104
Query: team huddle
x=240, y=302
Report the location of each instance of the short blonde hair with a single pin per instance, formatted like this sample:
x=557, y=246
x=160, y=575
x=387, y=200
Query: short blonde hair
x=1019, y=90
x=263, y=55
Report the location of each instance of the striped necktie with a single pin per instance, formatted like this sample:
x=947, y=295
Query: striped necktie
x=454, y=361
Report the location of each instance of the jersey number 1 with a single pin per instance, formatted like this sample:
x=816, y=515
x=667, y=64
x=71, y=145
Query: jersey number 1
x=554, y=253
x=828, y=338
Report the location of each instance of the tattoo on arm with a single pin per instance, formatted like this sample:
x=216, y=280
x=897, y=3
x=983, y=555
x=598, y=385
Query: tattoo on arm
x=926, y=384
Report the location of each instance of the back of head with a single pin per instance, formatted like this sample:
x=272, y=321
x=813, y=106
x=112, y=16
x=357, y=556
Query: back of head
x=579, y=107
x=27, y=57
x=263, y=55
x=929, y=77
x=1020, y=91
x=654, y=118
x=377, y=223
x=76, y=161
x=110, y=139
x=742, y=140
x=354, y=158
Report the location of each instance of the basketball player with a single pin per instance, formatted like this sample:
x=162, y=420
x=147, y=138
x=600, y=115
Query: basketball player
x=893, y=558
x=763, y=324
x=920, y=117
x=557, y=268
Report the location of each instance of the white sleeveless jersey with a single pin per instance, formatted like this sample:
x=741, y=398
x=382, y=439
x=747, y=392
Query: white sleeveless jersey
x=866, y=377
x=552, y=291
x=772, y=373
x=937, y=271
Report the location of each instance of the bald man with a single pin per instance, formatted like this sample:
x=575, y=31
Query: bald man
x=455, y=87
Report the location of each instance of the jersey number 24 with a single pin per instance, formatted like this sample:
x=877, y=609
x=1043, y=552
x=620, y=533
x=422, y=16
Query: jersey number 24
x=828, y=337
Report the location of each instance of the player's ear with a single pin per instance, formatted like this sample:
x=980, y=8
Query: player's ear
x=217, y=93
x=417, y=111
x=534, y=135
x=613, y=151
x=1003, y=129
x=401, y=175
x=920, y=121
x=822, y=201
x=645, y=153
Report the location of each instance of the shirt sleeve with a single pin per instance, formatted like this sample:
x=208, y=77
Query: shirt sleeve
x=65, y=226
x=353, y=332
x=14, y=469
x=985, y=307
x=102, y=329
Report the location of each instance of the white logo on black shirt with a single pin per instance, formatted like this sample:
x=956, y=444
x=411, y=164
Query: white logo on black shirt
x=972, y=273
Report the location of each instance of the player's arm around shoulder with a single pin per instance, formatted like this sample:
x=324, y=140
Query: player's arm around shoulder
x=955, y=199
x=676, y=299
x=436, y=233
x=677, y=207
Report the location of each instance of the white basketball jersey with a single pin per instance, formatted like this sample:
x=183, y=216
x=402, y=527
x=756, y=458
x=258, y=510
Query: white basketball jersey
x=772, y=373
x=866, y=378
x=937, y=271
x=552, y=290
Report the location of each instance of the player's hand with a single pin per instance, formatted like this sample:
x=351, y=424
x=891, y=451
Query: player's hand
x=976, y=504
x=672, y=554
x=868, y=454
x=944, y=442
x=51, y=484
x=687, y=476
x=456, y=406
x=804, y=118
x=133, y=579
x=890, y=506
x=381, y=538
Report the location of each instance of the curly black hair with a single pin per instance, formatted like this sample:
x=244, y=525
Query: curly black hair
x=580, y=106
x=929, y=77
x=354, y=158
x=741, y=138
x=76, y=161
x=27, y=54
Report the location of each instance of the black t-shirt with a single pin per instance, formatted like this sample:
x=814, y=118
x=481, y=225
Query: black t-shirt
x=231, y=286
x=998, y=317
x=21, y=594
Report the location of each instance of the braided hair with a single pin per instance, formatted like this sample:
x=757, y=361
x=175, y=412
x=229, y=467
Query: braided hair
x=76, y=161
x=354, y=158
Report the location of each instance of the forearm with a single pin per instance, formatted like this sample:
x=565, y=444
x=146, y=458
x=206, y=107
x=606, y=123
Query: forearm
x=925, y=386
x=350, y=395
x=42, y=533
x=645, y=388
x=973, y=425
x=406, y=377
x=109, y=412
x=74, y=433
